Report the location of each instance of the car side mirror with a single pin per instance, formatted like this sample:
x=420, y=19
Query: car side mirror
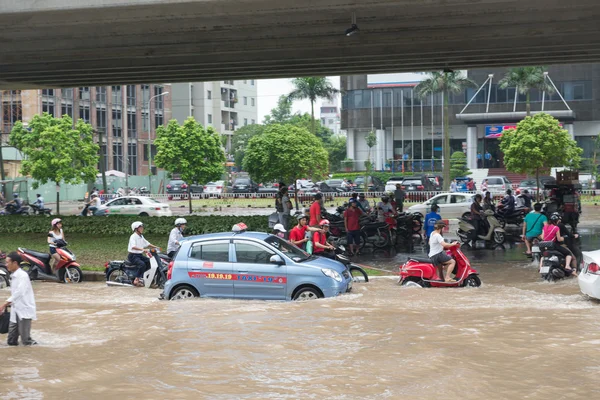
x=277, y=260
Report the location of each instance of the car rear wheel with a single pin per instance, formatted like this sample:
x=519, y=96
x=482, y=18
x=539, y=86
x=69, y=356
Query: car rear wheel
x=184, y=293
x=144, y=214
x=307, y=293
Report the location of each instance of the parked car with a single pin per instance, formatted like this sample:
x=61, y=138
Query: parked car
x=251, y=265
x=268, y=188
x=216, y=188
x=498, y=184
x=307, y=195
x=390, y=185
x=452, y=205
x=135, y=205
x=244, y=185
x=589, y=277
x=337, y=184
x=414, y=184
x=531, y=183
x=177, y=186
x=436, y=182
x=374, y=184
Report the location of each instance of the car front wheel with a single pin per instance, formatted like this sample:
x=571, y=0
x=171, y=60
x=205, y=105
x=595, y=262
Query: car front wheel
x=184, y=293
x=307, y=294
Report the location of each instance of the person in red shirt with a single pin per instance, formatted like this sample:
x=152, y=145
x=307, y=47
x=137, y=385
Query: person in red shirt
x=351, y=218
x=320, y=241
x=315, y=210
x=298, y=233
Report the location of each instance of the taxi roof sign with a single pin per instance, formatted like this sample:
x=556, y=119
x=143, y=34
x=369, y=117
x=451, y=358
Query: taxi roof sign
x=239, y=228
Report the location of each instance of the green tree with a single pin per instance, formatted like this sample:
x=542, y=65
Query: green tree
x=285, y=152
x=312, y=88
x=240, y=139
x=458, y=165
x=306, y=121
x=191, y=151
x=444, y=82
x=280, y=114
x=525, y=79
x=538, y=142
x=55, y=151
x=337, y=152
x=371, y=140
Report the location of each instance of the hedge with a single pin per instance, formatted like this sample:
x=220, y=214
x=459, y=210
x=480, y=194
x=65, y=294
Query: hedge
x=121, y=225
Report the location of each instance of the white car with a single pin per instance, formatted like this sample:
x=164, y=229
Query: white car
x=216, y=188
x=390, y=185
x=452, y=205
x=135, y=205
x=589, y=277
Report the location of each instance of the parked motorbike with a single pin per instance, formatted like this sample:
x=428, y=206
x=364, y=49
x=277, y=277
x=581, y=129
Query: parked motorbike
x=514, y=217
x=420, y=272
x=553, y=263
x=4, y=279
x=3, y=269
x=495, y=233
x=358, y=274
x=37, y=265
x=11, y=209
x=40, y=211
x=123, y=273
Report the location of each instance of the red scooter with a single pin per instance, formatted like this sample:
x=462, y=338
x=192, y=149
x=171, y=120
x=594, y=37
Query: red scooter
x=37, y=265
x=420, y=272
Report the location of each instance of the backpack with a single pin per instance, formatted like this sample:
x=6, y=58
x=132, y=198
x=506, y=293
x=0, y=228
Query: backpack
x=279, y=202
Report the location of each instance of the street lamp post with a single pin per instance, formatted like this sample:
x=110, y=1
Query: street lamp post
x=150, y=143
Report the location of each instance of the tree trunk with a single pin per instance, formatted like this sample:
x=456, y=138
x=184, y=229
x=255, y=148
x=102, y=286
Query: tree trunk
x=296, y=193
x=312, y=121
x=189, y=190
x=57, y=199
x=446, y=168
x=537, y=179
x=2, y=170
x=528, y=104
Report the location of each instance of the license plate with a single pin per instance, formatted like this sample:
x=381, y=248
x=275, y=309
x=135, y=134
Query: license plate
x=535, y=249
x=411, y=188
x=544, y=270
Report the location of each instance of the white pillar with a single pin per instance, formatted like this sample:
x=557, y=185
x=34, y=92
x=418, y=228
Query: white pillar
x=380, y=152
x=350, y=144
x=472, y=147
x=570, y=128
x=389, y=151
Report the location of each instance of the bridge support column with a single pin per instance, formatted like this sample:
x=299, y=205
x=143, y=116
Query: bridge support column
x=571, y=129
x=350, y=144
x=472, y=147
x=380, y=153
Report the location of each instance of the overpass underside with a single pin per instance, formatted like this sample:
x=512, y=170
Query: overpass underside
x=61, y=43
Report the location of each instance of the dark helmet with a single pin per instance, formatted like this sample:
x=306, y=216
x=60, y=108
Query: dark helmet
x=508, y=191
x=385, y=199
x=555, y=217
x=15, y=195
x=318, y=196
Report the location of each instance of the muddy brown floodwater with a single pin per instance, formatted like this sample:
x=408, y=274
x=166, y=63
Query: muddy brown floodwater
x=513, y=338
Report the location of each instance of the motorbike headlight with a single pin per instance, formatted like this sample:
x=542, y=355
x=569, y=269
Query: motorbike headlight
x=332, y=274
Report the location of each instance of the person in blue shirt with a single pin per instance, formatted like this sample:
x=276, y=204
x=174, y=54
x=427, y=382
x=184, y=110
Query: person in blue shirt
x=430, y=220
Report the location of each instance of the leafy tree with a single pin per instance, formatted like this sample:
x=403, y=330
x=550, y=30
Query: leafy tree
x=191, y=151
x=312, y=88
x=285, y=152
x=280, y=114
x=240, y=140
x=337, y=152
x=305, y=121
x=371, y=140
x=525, y=79
x=444, y=82
x=55, y=151
x=458, y=165
x=538, y=142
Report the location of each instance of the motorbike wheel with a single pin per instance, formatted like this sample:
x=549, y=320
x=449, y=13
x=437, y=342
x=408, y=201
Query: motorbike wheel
x=76, y=275
x=412, y=281
x=32, y=273
x=358, y=274
x=472, y=281
x=3, y=282
x=502, y=222
x=382, y=240
x=499, y=237
x=116, y=276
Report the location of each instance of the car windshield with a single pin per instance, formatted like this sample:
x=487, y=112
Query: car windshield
x=360, y=180
x=528, y=182
x=242, y=182
x=411, y=182
x=176, y=182
x=287, y=248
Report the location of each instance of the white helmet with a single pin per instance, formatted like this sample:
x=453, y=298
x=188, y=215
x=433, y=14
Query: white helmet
x=180, y=221
x=136, y=225
x=279, y=227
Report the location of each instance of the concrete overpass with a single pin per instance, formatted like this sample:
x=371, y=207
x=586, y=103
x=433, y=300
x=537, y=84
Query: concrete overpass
x=70, y=43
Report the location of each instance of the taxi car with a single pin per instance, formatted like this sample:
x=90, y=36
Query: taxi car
x=251, y=265
x=135, y=205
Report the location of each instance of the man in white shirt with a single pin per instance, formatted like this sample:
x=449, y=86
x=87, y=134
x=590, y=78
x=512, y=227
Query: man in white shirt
x=137, y=244
x=22, y=302
x=175, y=237
x=438, y=256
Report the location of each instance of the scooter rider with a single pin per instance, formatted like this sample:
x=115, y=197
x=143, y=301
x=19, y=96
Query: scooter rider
x=569, y=242
x=552, y=234
x=438, y=256
x=39, y=202
x=55, y=234
x=175, y=237
x=507, y=205
x=477, y=218
x=18, y=203
x=136, y=247
x=384, y=207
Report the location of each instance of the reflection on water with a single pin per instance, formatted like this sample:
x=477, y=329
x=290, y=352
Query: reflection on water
x=513, y=338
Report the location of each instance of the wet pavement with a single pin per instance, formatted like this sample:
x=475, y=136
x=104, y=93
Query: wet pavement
x=515, y=337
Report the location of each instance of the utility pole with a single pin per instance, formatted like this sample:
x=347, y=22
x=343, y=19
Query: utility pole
x=102, y=160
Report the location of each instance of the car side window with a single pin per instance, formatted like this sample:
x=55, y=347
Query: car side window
x=118, y=202
x=215, y=252
x=458, y=199
x=250, y=253
x=136, y=201
x=440, y=200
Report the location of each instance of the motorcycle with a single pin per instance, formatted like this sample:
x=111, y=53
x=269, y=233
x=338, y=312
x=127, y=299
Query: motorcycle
x=3, y=269
x=495, y=232
x=536, y=254
x=11, y=209
x=358, y=274
x=37, y=265
x=515, y=217
x=553, y=263
x=420, y=272
x=4, y=279
x=123, y=273
x=40, y=211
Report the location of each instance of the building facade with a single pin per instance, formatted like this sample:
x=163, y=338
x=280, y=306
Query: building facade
x=410, y=128
x=330, y=115
x=224, y=105
x=123, y=118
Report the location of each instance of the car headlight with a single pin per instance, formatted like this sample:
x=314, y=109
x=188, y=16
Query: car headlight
x=332, y=274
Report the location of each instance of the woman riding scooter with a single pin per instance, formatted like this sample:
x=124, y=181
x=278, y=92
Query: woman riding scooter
x=477, y=218
x=552, y=234
x=175, y=237
x=55, y=234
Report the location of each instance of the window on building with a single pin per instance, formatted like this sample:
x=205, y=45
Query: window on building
x=209, y=94
x=101, y=119
x=84, y=93
x=131, y=95
x=48, y=107
x=118, y=156
x=67, y=93
x=117, y=124
x=245, y=101
x=158, y=120
x=132, y=158
x=146, y=152
x=245, y=121
x=66, y=109
x=131, y=124
x=252, y=102
x=117, y=97
x=48, y=92
x=253, y=121
x=145, y=121
x=101, y=94
x=209, y=118
x=252, y=82
x=145, y=95
x=84, y=112
x=159, y=100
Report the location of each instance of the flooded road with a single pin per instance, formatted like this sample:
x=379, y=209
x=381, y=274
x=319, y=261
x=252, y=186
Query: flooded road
x=513, y=338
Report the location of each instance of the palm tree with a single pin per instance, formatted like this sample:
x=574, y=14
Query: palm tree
x=444, y=82
x=524, y=79
x=312, y=88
